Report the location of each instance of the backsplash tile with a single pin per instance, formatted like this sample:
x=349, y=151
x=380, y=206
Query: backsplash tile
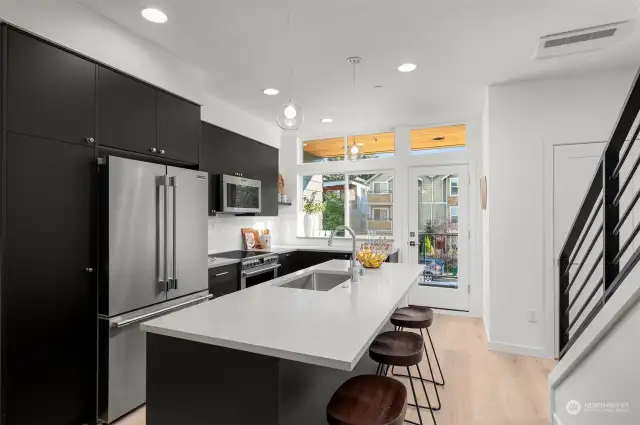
x=224, y=231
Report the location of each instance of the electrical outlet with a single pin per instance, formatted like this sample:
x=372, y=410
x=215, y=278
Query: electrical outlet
x=532, y=316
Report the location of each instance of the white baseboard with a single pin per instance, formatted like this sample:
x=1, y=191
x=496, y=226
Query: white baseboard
x=520, y=350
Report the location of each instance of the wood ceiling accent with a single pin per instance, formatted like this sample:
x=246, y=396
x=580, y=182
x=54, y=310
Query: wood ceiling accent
x=421, y=139
x=454, y=136
x=325, y=148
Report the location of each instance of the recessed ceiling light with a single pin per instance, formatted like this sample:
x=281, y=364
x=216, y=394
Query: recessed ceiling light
x=154, y=15
x=271, y=92
x=407, y=67
x=327, y=120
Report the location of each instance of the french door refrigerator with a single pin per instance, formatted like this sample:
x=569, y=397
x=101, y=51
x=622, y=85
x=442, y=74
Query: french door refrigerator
x=153, y=261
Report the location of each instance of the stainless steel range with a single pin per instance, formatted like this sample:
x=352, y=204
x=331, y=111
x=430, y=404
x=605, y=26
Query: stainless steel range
x=256, y=267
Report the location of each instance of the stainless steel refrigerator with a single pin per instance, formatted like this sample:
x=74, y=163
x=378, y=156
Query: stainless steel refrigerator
x=153, y=261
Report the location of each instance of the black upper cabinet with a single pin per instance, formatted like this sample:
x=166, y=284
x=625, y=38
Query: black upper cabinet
x=225, y=152
x=127, y=113
x=179, y=128
x=50, y=312
x=265, y=169
x=51, y=93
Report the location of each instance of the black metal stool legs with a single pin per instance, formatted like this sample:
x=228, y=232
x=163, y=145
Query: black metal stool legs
x=432, y=380
x=384, y=369
x=435, y=353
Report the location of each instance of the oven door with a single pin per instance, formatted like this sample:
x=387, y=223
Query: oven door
x=257, y=276
x=240, y=195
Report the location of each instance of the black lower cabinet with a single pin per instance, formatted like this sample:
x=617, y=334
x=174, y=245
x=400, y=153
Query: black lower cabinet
x=49, y=291
x=289, y=263
x=224, y=280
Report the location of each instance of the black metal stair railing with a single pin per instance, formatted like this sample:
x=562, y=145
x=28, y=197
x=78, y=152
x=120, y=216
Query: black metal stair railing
x=595, y=258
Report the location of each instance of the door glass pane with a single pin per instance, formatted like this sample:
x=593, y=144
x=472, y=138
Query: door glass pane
x=438, y=230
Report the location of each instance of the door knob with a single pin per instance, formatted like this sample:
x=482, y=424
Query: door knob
x=88, y=270
x=162, y=151
x=153, y=150
x=90, y=140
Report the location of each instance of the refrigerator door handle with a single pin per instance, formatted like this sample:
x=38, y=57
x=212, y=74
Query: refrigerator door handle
x=148, y=316
x=163, y=281
x=174, y=184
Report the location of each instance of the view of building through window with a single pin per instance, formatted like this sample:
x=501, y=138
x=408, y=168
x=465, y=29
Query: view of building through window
x=438, y=229
x=364, y=201
x=428, y=140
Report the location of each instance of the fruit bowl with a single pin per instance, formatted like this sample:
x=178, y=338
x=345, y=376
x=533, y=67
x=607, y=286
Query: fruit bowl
x=372, y=256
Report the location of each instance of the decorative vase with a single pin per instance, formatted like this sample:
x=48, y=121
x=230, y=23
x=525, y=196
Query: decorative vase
x=308, y=225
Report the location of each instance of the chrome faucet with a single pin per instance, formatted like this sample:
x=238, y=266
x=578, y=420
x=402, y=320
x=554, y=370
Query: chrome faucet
x=353, y=269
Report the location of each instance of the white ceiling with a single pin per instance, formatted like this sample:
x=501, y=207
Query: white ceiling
x=461, y=46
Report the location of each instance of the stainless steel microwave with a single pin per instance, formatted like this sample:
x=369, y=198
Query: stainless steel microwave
x=240, y=195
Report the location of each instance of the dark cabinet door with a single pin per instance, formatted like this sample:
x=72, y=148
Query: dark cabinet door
x=264, y=163
x=287, y=263
x=51, y=93
x=49, y=293
x=127, y=113
x=224, y=280
x=179, y=128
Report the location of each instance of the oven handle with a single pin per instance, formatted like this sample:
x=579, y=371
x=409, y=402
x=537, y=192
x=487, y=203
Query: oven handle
x=266, y=269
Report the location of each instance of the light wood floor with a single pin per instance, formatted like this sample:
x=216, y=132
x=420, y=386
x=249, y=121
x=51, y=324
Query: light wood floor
x=482, y=387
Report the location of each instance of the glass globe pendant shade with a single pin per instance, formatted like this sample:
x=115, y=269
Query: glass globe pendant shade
x=354, y=151
x=290, y=116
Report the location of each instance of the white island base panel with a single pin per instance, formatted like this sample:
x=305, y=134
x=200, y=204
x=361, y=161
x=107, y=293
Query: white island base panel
x=332, y=328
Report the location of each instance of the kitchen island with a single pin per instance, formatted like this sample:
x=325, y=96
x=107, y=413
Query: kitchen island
x=273, y=353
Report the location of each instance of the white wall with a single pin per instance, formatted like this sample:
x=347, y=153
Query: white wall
x=523, y=117
x=77, y=27
x=609, y=374
x=291, y=221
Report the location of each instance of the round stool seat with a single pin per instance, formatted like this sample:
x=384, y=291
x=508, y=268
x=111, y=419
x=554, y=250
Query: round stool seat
x=412, y=317
x=368, y=400
x=397, y=348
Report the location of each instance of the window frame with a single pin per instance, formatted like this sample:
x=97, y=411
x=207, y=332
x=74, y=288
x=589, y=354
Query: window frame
x=346, y=197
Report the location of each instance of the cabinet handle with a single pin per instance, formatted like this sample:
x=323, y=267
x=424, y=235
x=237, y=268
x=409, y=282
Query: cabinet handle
x=90, y=140
x=162, y=151
x=153, y=150
x=88, y=270
x=222, y=274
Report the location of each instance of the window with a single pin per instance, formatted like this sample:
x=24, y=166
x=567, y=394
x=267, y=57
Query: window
x=363, y=201
x=453, y=186
x=366, y=146
x=438, y=139
x=380, y=187
x=378, y=145
x=453, y=214
x=323, y=150
x=381, y=214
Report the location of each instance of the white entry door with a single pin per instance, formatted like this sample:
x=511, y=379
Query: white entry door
x=439, y=235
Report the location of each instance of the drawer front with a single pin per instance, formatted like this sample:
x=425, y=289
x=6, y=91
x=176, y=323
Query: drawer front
x=224, y=280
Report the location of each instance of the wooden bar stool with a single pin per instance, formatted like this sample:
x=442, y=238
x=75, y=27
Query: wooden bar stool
x=418, y=317
x=396, y=348
x=368, y=400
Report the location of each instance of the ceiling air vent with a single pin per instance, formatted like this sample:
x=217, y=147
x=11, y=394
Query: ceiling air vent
x=583, y=40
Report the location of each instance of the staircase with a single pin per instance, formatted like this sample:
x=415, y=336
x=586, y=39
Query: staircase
x=599, y=290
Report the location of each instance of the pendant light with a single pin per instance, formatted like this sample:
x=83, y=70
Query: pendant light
x=354, y=150
x=290, y=116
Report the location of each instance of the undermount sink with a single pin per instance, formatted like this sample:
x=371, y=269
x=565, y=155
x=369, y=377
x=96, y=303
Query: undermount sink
x=318, y=281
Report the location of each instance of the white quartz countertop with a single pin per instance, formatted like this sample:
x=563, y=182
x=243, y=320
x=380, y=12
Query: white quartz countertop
x=332, y=328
